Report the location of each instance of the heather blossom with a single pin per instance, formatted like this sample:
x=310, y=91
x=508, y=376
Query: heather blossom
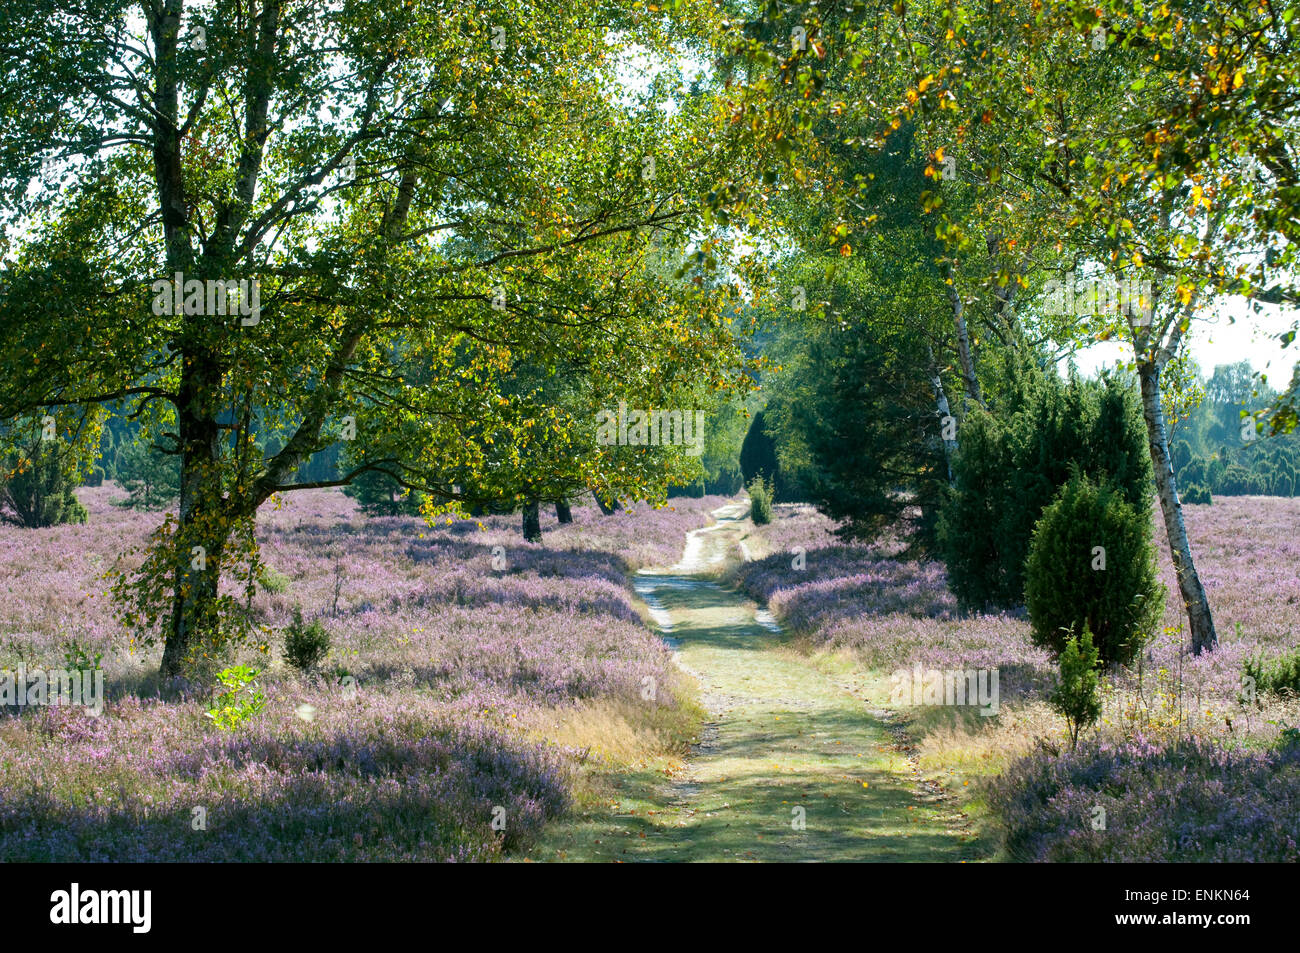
x=452, y=647
x=1182, y=768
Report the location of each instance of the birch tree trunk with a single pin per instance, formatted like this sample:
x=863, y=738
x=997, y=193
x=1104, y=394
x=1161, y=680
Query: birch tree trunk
x=945, y=416
x=1199, y=619
x=967, y=362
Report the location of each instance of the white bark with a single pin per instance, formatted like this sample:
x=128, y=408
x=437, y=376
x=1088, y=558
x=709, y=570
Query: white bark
x=945, y=414
x=964, y=358
x=1199, y=618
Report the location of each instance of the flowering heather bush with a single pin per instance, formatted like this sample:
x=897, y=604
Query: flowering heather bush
x=1221, y=796
x=896, y=613
x=799, y=525
x=892, y=613
x=49, y=581
x=374, y=780
x=1188, y=801
x=456, y=665
x=1248, y=554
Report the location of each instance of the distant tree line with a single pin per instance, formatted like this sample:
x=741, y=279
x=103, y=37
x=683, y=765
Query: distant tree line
x=130, y=456
x=1221, y=446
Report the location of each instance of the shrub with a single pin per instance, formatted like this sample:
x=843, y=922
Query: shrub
x=1214, y=472
x=1235, y=480
x=305, y=644
x=1197, y=493
x=1194, y=472
x=971, y=536
x=1075, y=698
x=1092, y=565
x=39, y=491
x=1275, y=676
x=857, y=429
x=1009, y=467
x=241, y=700
x=758, y=452
x=1182, y=454
x=273, y=581
x=727, y=482
x=79, y=658
x=760, y=493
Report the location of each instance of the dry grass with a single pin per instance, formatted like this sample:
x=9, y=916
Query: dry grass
x=617, y=733
x=958, y=743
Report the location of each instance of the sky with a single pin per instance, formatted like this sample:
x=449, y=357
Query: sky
x=1218, y=339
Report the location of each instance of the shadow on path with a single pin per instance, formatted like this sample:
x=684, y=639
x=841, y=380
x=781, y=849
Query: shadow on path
x=791, y=765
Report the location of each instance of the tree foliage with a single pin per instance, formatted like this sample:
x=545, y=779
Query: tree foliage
x=1010, y=467
x=416, y=198
x=1147, y=142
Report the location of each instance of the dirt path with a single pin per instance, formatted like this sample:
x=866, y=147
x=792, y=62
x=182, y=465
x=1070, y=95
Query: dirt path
x=790, y=766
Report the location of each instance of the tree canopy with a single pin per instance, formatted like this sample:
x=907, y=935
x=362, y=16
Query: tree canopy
x=289, y=224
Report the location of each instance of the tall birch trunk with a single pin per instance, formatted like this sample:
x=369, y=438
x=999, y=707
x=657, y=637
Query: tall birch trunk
x=945, y=415
x=1199, y=619
x=964, y=357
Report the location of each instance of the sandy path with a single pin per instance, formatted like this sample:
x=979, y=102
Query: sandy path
x=790, y=766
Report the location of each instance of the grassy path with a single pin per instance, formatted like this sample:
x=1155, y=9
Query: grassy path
x=790, y=765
